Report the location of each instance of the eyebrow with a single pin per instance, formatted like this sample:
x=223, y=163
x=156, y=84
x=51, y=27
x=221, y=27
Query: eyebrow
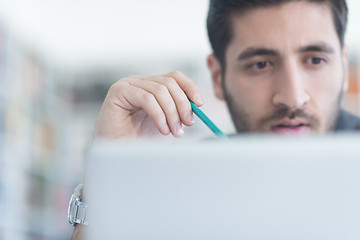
x=317, y=47
x=253, y=52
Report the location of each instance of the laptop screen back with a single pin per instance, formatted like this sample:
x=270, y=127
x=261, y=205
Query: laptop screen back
x=251, y=188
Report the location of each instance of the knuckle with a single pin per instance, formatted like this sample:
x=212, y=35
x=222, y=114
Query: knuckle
x=185, y=105
x=118, y=86
x=176, y=74
x=145, y=96
x=174, y=118
x=169, y=81
x=160, y=115
x=161, y=89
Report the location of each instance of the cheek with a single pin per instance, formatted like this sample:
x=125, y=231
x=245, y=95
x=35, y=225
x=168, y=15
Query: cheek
x=253, y=97
x=326, y=87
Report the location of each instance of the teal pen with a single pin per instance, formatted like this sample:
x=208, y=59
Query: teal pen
x=207, y=121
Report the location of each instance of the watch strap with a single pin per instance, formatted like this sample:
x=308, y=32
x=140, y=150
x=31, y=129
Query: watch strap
x=77, y=209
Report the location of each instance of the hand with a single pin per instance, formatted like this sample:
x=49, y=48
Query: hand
x=136, y=106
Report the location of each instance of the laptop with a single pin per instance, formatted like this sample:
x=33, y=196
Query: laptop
x=253, y=187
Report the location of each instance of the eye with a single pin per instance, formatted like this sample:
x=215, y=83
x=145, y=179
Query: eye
x=315, y=60
x=259, y=65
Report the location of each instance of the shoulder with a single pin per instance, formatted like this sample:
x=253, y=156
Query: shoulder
x=347, y=122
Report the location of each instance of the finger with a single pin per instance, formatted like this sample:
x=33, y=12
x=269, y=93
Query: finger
x=191, y=90
x=163, y=97
x=140, y=98
x=181, y=100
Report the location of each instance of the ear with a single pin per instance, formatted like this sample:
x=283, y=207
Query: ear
x=216, y=76
x=346, y=68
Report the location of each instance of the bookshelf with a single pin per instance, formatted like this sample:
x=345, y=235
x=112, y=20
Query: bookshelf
x=33, y=193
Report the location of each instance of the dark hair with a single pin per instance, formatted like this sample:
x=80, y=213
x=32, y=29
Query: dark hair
x=219, y=24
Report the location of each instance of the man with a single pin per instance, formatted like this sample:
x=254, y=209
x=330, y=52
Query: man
x=280, y=65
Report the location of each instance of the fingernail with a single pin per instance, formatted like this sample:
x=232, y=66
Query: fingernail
x=199, y=100
x=165, y=128
x=179, y=129
x=190, y=118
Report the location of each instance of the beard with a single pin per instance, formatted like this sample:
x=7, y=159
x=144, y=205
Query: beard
x=244, y=123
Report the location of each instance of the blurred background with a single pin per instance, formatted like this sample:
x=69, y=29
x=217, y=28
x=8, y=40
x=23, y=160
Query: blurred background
x=57, y=61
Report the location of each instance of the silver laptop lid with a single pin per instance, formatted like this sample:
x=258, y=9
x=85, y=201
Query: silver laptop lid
x=252, y=188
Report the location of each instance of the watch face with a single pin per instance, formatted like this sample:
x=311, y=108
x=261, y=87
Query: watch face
x=72, y=209
x=74, y=205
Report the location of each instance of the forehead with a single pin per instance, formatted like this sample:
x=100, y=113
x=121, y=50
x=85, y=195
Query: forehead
x=289, y=25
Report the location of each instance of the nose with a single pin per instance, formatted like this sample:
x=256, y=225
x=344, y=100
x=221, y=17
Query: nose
x=290, y=89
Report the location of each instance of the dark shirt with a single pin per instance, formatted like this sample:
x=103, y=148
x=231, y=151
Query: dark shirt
x=347, y=122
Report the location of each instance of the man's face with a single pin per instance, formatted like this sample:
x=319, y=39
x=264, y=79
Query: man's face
x=284, y=70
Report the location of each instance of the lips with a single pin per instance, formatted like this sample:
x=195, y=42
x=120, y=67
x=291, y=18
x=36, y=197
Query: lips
x=290, y=127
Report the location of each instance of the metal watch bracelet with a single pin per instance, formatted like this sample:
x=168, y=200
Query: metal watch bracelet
x=77, y=209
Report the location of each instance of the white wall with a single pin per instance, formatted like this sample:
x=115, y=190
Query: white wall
x=78, y=32
x=104, y=31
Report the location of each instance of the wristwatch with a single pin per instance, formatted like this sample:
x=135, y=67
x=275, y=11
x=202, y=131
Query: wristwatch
x=77, y=209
